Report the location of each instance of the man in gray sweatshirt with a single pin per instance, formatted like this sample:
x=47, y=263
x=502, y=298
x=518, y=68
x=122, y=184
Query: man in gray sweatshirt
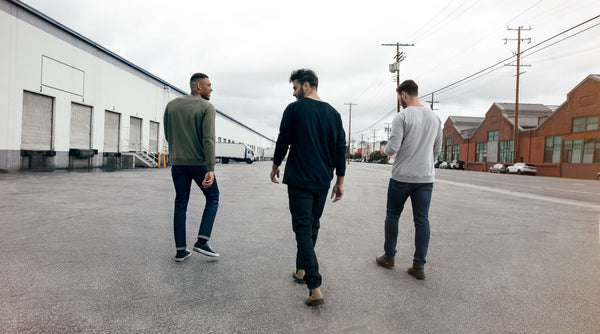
x=416, y=141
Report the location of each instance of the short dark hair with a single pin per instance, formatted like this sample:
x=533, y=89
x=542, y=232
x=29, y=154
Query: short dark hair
x=197, y=76
x=408, y=86
x=305, y=75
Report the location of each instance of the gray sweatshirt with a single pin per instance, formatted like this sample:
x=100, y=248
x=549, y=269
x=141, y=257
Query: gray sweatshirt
x=416, y=140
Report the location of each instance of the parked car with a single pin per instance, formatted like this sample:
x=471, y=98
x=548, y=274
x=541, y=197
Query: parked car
x=456, y=164
x=498, y=168
x=598, y=176
x=437, y=164
x=522, y=168
x=443, y=165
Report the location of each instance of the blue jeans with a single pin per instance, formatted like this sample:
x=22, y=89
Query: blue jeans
x=420, y=196
x=182, y=179
x=306, y=207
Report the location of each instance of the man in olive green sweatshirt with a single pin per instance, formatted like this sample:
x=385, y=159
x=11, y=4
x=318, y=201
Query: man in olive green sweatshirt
x=189, y=124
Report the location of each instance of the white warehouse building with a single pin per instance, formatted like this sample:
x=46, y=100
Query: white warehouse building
x=67, y=102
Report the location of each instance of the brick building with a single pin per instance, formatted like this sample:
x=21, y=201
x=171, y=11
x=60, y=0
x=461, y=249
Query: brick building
x=563, y=141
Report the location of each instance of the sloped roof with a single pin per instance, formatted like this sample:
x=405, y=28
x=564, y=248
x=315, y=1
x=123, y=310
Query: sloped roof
x=466, y=125
x=530, y=114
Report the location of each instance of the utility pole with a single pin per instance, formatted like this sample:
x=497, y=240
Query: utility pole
x=362, y=152
x=432, y=102
x=396, y=66
x=518, y=54
x=388, y=129
x=349, y=127
x=374, y=140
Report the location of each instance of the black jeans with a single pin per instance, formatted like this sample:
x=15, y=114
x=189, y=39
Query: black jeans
x=182, y=179
x=306, y=207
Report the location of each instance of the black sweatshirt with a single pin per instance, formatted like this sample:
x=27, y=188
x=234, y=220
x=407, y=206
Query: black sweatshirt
x=314, y=133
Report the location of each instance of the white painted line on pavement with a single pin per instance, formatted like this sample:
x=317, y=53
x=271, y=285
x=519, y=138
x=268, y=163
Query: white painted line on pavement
x=525, y=195
x=525, y=185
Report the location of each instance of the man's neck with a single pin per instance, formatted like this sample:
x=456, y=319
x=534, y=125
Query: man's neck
x=413, y=102
x=312, y=94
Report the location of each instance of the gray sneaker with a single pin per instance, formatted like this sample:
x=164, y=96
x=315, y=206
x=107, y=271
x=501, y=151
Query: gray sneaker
x=205, y=249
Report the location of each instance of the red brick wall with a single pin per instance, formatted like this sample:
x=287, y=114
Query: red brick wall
x=583, y=100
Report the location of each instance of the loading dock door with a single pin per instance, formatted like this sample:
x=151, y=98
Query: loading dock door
x=153, y=147
x=112, y=124
x=37, y=122
x=81, y=126
x=135, y=134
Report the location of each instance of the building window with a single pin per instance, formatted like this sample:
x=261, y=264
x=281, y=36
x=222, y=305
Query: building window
x=587, y=123
x=505, y=151
x=481, y=152
x=493, y=135
x=448, y=149
x=578, y=151
x=455, y=150
x=552, y=149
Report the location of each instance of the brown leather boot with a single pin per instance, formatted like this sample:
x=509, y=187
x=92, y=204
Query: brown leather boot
x=418, y=273
x=385, y=261
x=315, y=297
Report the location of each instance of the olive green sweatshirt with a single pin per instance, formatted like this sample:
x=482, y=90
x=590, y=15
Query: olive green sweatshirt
x=189, y=124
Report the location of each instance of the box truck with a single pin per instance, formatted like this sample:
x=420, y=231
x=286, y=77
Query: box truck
x=233, y=151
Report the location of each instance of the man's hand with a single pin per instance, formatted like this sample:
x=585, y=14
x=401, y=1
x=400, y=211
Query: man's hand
x=209, y=177
x=275, y=173
x=382, y=150
x=338, y=190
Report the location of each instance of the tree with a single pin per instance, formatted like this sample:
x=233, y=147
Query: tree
x=376, y=156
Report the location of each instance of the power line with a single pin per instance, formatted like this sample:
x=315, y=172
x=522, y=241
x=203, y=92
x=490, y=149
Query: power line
x=492, y=68
x=511, y=57
x=382, y=118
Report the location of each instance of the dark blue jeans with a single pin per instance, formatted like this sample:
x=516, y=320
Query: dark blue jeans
x=420, y=196
x=306, y=207
x=182, y=179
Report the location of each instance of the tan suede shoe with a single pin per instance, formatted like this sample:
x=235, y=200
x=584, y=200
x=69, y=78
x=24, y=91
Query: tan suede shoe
x=315, y=298
x=298, y=275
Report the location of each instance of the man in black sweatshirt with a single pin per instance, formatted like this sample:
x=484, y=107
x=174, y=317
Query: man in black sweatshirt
x=312, y=130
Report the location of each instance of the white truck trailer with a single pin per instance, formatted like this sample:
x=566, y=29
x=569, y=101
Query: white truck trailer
x=269, y=152
x=233, y=151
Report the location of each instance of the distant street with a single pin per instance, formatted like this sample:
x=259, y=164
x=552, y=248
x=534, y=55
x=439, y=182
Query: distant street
x=93, y=252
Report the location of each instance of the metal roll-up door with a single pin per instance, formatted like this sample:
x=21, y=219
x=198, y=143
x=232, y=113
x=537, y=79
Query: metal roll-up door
x=112, y=123
x=37, y=122
x=135, y=134
x=81, y=126
x=153, y=147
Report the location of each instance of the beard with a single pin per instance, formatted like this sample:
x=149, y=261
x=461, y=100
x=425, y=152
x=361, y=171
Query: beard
x=301, y=93
x=403, y=103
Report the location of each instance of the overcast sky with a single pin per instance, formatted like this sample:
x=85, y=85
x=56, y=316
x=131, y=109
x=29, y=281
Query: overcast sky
x=249, y=48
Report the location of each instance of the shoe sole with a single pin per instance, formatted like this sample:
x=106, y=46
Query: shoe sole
x=383, y=265
x=413, y=275
x=298, y=280
x=419, y=278
x=183, y=258
x=201, y=251
x=316, y=302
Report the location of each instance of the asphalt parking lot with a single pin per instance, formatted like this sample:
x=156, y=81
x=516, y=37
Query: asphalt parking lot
x=93, y=253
